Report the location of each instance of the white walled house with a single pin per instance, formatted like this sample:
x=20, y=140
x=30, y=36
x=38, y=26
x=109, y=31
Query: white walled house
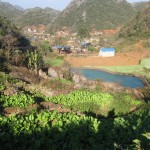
x=107, y=52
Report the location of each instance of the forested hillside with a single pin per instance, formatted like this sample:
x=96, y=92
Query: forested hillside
x=98, y=14
x=9, y=11
x=139, y=26
x=36, y=16
x=10, y=34
x=139, y=5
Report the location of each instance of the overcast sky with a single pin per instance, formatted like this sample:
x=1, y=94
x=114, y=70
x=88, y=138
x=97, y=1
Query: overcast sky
x=56, y=4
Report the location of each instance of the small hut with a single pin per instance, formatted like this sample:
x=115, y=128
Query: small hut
x=107, y=52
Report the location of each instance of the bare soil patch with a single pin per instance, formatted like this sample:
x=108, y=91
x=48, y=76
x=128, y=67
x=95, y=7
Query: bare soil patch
x=120, y=59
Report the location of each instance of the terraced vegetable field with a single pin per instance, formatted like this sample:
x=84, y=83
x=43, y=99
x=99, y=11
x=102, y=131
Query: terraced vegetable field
x=96, y=102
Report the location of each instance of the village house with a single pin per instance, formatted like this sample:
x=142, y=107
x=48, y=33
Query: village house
x=107, y=52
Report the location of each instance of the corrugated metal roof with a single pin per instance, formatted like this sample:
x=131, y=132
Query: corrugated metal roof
x=107, y=49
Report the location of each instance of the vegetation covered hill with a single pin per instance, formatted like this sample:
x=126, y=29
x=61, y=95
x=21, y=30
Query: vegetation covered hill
x=139, y=5
x=10, y=35
x=98, y=14
x=24, y=17
x=10, y=39
x=139, y=26
x=37, y=16
x=9, y=11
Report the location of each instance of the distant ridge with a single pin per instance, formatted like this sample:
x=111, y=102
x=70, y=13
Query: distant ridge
x=35, y=16
x=97, y=14
x=9, y=11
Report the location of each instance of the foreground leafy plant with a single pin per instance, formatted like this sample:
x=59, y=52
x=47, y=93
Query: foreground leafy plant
x=20, y=100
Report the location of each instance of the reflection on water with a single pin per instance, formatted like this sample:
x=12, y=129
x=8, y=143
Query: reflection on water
x=124, y=80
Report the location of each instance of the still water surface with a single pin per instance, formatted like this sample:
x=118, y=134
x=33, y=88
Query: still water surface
x=124, y=80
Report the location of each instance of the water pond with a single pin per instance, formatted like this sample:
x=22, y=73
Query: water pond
x=124, y=80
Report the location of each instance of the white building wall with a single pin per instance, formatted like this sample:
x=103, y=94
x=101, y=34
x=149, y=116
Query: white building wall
x=106, y=54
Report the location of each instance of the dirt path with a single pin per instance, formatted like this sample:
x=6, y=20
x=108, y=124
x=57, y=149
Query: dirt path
x=120, y=59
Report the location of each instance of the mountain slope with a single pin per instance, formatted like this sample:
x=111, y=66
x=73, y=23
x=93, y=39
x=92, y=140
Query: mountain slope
x=139, y=5
x=9, y=11
x=37, y=16
x=139, y=26
x=9, y=32
x=98, y=14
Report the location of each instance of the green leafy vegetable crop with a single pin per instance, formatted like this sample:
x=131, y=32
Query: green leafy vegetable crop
x=96, y=102
x=19, y=100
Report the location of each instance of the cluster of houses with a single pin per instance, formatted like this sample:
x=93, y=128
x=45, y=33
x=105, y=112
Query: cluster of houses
x=103, y=52
x=39, y=33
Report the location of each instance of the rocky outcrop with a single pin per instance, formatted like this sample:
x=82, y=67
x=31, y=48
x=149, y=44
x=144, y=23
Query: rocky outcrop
x=112, y=86
x=138, y=93
x=81, y=82
x=79, y=79
x=43, y=74
x=53, y=73
x=10, y=91
x=12, y=111
x=8, y=111
x=25, y=75
x=51, y=106
x=40, y=89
